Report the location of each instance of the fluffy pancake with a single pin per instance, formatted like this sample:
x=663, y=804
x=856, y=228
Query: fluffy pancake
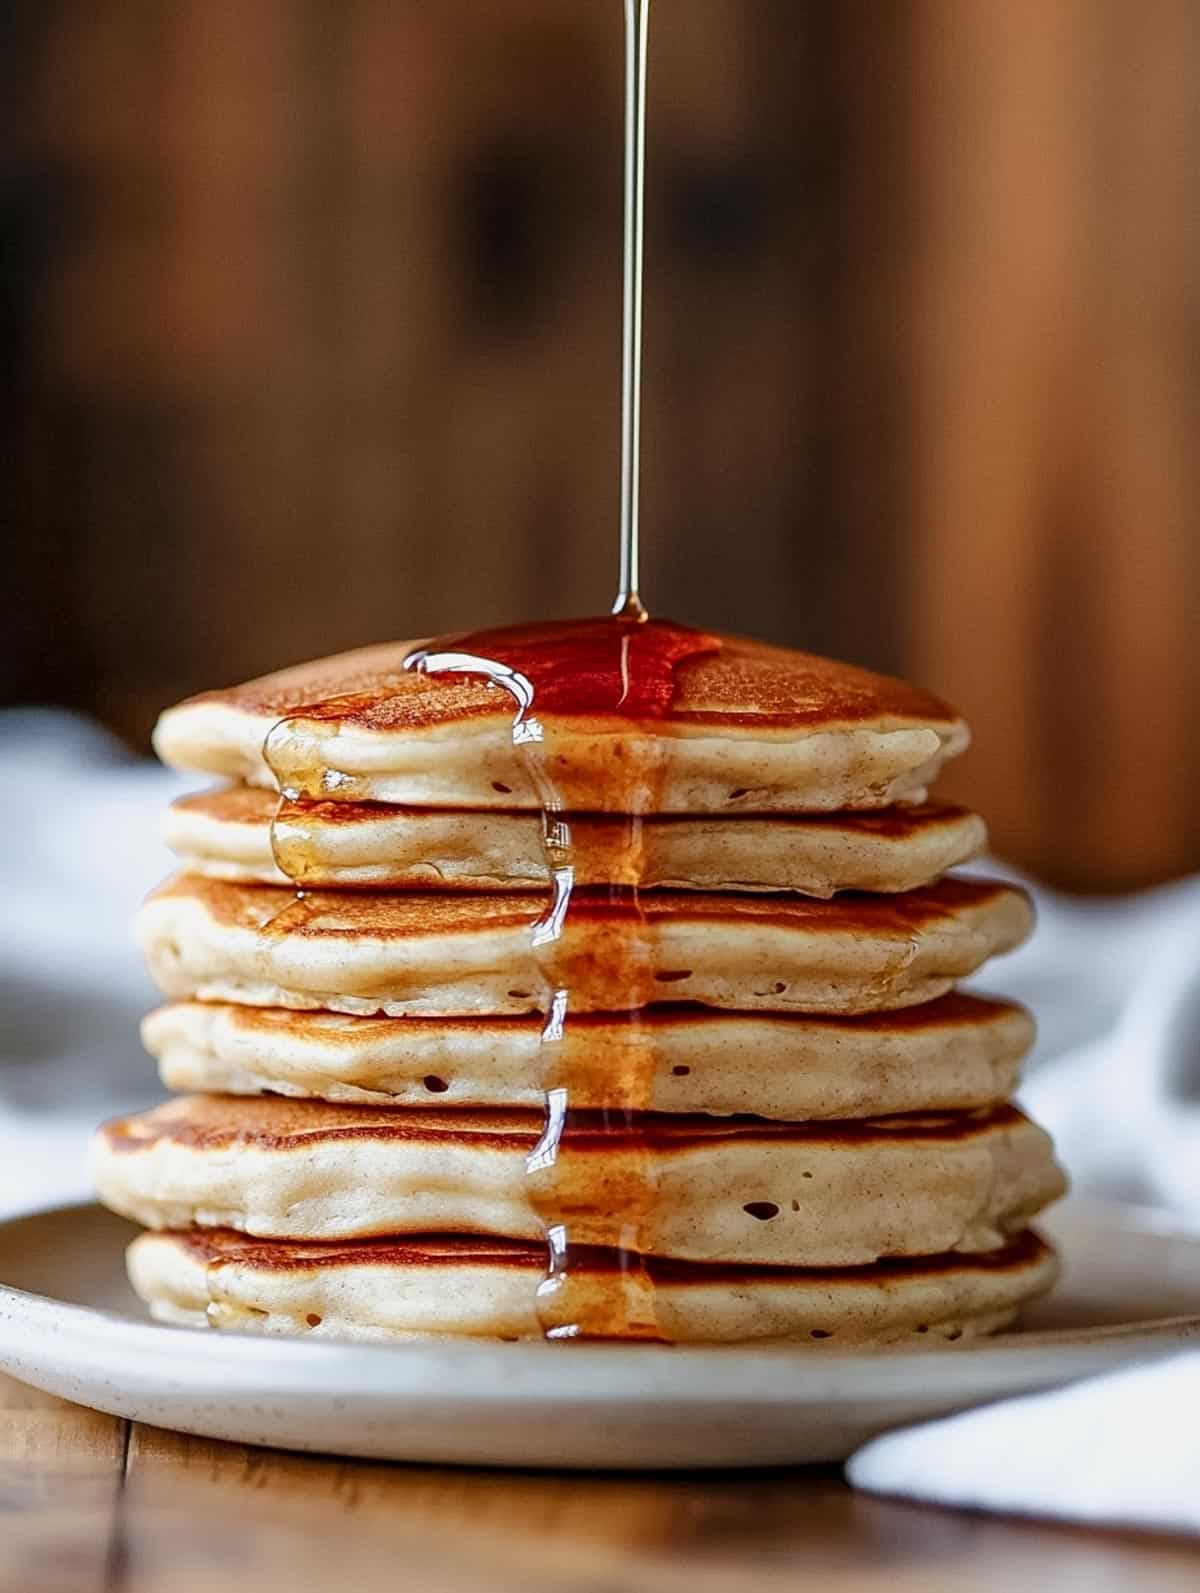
x=701, y=1188
x=443, y=954
x=392, y=1289
x=749, y=728
x=960, y=1051
x=226, y=834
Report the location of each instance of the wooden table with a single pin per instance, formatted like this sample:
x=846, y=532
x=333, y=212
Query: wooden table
x=90, y=1504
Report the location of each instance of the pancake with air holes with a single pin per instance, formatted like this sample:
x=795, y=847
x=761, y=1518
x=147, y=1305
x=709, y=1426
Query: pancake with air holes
x=703, y=1189
x=392, y=1290
x=456, y=954
x=749, y=728
x=226, y=834
x=958, y=1052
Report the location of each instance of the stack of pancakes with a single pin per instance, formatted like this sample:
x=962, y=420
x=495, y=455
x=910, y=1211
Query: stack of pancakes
x=783, y=1121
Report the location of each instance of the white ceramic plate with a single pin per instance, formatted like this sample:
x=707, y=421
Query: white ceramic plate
x=69, y=1324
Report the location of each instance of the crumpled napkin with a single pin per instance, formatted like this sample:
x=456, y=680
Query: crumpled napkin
x=1124, y=1102
x=79, y=848
x=1118, y=1450
x=1116, y=1079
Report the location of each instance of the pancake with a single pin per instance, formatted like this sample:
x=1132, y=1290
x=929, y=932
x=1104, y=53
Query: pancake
x=745, y=727
x=444, y=954
x=394, y=1290
x=226, y=834
x=691, y=1188
x=957, y=1052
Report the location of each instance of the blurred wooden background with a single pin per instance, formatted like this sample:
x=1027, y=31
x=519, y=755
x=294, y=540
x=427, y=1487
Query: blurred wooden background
x=312, y=317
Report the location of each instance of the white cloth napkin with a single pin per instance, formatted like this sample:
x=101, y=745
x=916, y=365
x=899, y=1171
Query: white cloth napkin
x=79, y=847
x=1117, y=1450
x=1116, y=1077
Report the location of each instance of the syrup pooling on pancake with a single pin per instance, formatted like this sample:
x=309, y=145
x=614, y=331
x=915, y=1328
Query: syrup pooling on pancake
x=621, y=667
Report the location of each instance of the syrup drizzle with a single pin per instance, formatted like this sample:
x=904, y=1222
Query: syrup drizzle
x=596, y=667
x=637, y=24
x=529, y=736
x=620, y=668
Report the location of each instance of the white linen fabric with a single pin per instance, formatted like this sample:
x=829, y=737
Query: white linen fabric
x=79, y=847
x=1120, y=1450
x=1116, y=1079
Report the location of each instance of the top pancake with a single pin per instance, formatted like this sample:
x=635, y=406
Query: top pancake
x=748, y=727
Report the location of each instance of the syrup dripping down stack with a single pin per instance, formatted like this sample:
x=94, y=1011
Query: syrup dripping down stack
x=591, y=980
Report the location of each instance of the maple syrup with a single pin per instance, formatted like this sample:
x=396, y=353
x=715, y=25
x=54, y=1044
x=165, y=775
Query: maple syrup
x=637, y=22
x=621, y=669
x=616, y=668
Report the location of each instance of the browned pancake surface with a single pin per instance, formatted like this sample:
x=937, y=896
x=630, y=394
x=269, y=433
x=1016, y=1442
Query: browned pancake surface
x=215, y=1122
x=240, y=804
x=414, y=913
x=336, y=1030
x=746, y=683
x=470, y=1250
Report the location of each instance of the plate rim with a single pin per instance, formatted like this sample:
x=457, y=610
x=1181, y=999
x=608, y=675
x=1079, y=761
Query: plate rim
x=662, y=1371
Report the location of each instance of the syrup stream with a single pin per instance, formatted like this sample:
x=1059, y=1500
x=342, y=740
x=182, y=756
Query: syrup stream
x=628, y=1309
x=615, y=685
x=637, y=21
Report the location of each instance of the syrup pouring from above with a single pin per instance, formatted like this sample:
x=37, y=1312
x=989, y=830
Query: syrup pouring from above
x=618, y=667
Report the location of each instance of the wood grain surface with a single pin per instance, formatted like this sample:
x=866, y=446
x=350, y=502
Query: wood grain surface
x=90, y=1504
x=309, y=320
